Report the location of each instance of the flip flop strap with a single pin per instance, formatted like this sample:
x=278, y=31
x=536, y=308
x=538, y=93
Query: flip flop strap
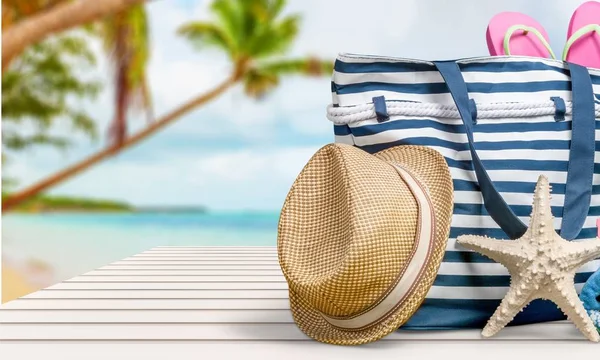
x=578, y=35
x=511, y=30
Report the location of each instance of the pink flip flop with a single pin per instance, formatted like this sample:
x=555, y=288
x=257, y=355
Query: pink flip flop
x=513, y=33
x=583, y=44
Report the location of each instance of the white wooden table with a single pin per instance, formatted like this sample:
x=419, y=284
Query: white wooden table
x=180, y=302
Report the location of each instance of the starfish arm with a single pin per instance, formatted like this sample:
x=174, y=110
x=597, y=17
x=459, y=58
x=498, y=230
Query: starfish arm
x=578, y=253
x=497, y=250
x=518, y=296
x=565, y=296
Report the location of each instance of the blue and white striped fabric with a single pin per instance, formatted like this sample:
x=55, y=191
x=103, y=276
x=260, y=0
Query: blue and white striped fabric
x=516, y=136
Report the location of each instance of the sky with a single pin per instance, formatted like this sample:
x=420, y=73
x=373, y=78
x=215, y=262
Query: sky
x=240, y=154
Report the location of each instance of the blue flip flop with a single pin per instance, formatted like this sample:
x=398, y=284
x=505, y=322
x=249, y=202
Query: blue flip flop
x=590, y=296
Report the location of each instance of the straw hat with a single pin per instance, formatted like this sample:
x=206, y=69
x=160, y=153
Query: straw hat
x=361, y=237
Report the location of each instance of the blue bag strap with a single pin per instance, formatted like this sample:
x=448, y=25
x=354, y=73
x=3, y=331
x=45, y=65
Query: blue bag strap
x=581, y=157
x=580, y=173
x=492, y=200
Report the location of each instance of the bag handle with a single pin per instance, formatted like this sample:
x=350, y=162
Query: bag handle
x=580, y=173
x=580, y=170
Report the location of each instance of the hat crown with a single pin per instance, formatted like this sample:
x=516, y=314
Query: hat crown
x=347, y=230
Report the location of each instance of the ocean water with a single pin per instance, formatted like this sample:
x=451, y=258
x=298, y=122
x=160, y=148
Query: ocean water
x=73, y=244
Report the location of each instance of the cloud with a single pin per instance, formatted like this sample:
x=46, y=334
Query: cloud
x=329, y=27
x=245, y=178
x=253, y=179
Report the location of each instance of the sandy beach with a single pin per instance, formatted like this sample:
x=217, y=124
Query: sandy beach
x=14, y=285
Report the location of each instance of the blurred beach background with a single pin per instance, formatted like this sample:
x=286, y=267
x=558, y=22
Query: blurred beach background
x=254, y=97
x=82, y=242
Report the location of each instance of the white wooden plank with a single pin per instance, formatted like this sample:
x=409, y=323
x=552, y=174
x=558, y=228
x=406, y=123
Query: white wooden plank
x=189, y=267
x=207, y=258
x=213, y=247
x=200, y=247
x=214, y=251
x=158, y=294
x=197, y=262
x=109, y=303
x=162, y=304
x=445, y=268
x=299, y=350
x=180, y=278
x=203, y=255
x=185, y=272
x=145, y=316
x=261, y=332
x=169, y=285
x=207, y=253
x=248, y=290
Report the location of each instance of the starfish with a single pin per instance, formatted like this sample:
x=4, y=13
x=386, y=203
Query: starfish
x=541, y=264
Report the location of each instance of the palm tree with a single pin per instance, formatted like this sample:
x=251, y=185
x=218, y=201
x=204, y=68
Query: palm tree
x=51, y=19
x=123, y=29
x=125, y=36
x=254, y=34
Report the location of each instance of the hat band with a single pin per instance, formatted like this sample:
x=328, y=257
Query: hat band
x=412, y=272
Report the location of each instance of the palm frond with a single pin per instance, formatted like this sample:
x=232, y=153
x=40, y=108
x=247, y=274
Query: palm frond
x=252, y=33
x=310, y=66
x=206, y=34
x=229, y=15
x=258, y=83
x=264, y=77
x=274, y=39
x=267, y=10
x=125, y=37
x=15, y=141
x=37, y=85
x=38, y=92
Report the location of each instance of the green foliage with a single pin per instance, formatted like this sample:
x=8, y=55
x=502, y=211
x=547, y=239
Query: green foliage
x=245, y=29
x=40, y=89
x=264, y=76
x=253, y=33
x=62, y=203
x=125, y=37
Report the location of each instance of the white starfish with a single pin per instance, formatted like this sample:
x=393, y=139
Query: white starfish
x=541, y=264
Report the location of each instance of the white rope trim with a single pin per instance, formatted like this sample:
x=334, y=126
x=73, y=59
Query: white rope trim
x=349, y=114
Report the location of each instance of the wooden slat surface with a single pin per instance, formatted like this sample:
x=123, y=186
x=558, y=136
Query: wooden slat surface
x=192, y=293
x=298, y=350
x=185, y=272
x=169, y=304
x=157, y=285
x=246, y=331
x=159, y=294
x=144, y=316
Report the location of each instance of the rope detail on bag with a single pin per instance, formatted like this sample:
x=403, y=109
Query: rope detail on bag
x=351, y=114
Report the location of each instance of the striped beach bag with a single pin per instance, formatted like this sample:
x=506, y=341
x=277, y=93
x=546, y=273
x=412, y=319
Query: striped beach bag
x=500, y=122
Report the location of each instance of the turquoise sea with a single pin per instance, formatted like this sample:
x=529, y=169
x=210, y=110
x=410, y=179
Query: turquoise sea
x=73, y=244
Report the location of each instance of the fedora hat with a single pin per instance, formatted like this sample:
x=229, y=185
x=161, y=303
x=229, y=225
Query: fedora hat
x=361, y=237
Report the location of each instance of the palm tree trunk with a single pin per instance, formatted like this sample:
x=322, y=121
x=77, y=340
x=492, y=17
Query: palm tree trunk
x=23, y=195
x=62, y=17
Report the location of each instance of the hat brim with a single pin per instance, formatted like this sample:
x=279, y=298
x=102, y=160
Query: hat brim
x=431, y=169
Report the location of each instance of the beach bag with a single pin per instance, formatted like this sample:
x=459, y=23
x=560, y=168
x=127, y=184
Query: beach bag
x=500, y=122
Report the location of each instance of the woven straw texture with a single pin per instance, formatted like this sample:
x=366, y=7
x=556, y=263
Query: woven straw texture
x=346, y=231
